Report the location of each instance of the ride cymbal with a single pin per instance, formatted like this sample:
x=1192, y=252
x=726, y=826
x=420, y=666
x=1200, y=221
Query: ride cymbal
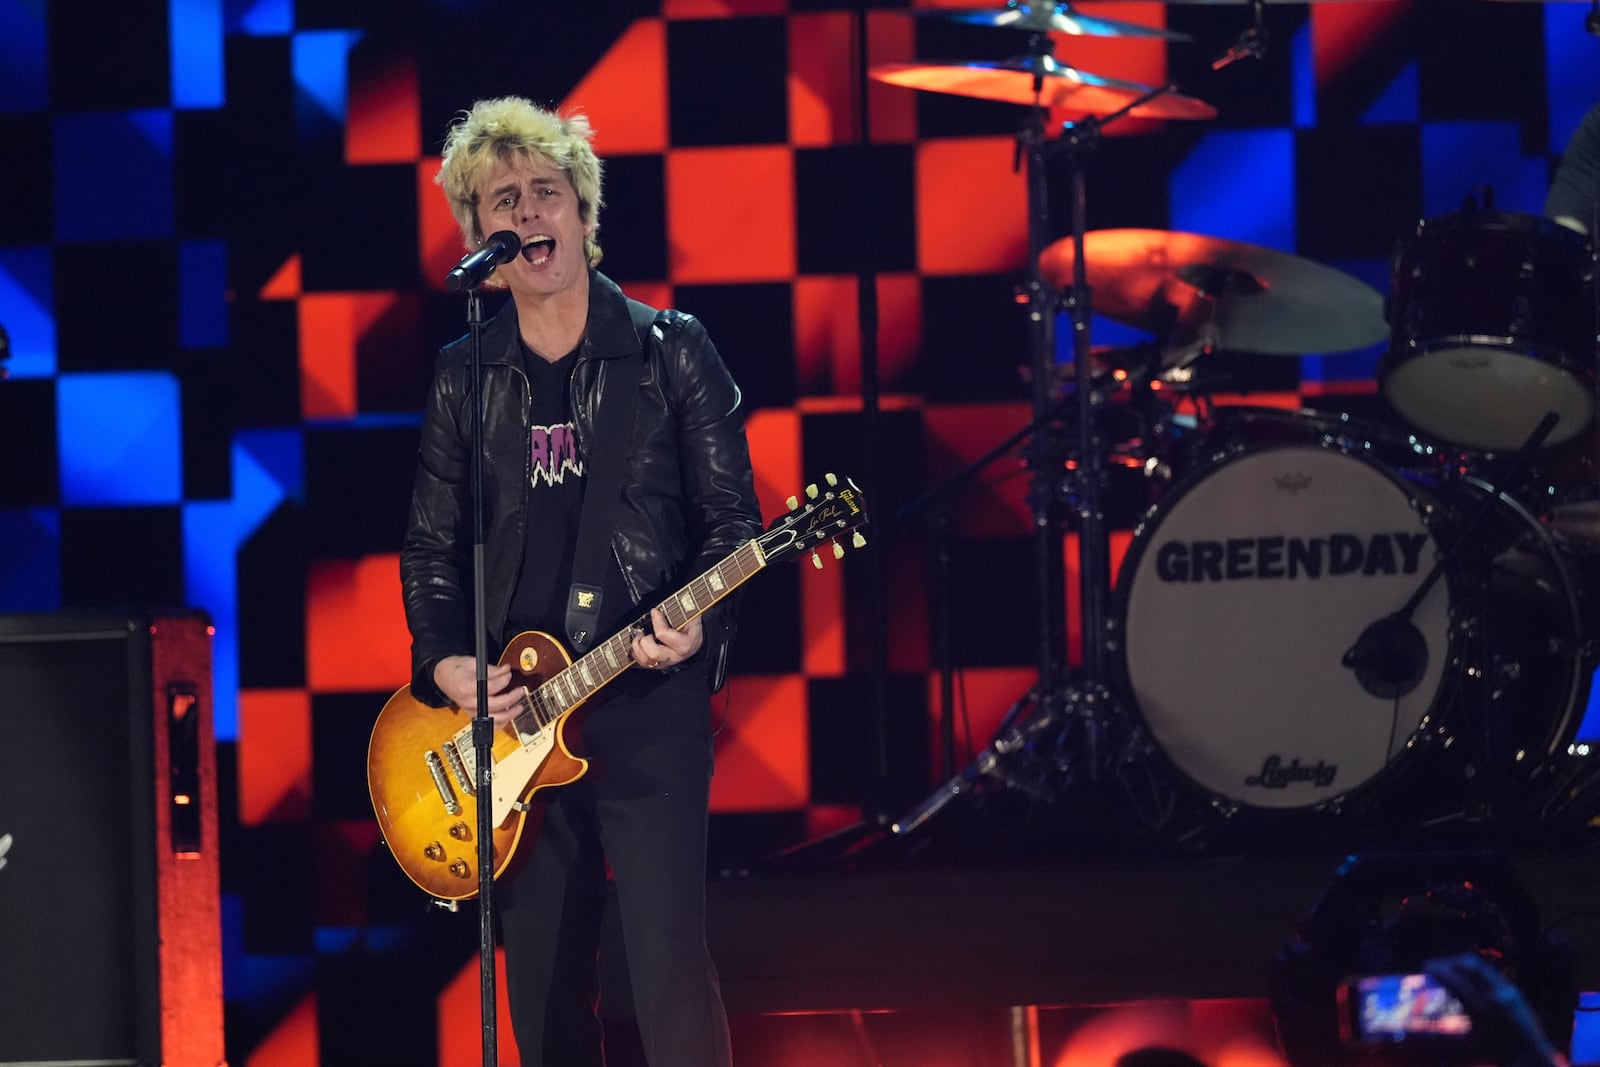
x=1049, y=18
x=1041, y=80
x=1234, y=296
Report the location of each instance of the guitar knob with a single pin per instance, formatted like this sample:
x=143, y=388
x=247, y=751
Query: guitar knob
x=434, y=851
x=460, y=869
x=460, y=832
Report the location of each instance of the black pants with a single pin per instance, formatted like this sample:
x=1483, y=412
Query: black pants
x=645, y=813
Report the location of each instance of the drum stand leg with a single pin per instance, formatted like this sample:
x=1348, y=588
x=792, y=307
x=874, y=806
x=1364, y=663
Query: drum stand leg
x=1067, y=721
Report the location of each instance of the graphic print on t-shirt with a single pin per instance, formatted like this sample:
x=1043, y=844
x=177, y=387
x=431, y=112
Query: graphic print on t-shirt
x=553, y=454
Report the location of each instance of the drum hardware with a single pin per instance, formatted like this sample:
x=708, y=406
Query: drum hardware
x=1035, y=756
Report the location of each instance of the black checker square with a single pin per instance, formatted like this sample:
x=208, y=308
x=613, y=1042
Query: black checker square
x=212, y=401
x=272, y=602
x=27, y=212
x=768, y=640
x=1359, y=189
x=28, y=443
x=975, y=340
x=108, y=57
x=341, y=726
x=845, y=725
x=727, y=80
x=1249, y=92
x=121, y=557
x=263, y=357
x=877, y=457
x=633, y=224
x=993, y=600
x=278, y=856
x=1478, y=62
x=736, y=841
x=752, y=326
x=358, y=483
x=855, y=209
x=359, y=228
x=129, y=325
x=388, y=376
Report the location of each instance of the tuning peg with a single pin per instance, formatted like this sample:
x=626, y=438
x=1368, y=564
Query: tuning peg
x=792, y=503
x=811, y=491
x=831, y=479
x=838, y=550
x=816, y=560
x=857, y=541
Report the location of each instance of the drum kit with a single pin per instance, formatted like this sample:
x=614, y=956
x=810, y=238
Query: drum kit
x=1381, y=624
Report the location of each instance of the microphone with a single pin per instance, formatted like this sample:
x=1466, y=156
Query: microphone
x=475, y=266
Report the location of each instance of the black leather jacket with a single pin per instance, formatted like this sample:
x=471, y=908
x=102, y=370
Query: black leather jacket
x=688, y=496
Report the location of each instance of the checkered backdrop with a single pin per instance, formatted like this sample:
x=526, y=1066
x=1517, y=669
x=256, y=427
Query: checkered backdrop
x=221, y=254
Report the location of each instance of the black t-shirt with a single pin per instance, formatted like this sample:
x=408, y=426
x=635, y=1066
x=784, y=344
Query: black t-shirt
x=1576, y=186
x=557, y=477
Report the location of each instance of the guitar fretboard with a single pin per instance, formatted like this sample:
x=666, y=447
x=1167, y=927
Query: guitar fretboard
x=578, y=682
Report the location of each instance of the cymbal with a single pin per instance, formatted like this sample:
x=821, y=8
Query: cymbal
x=1235, y=296
x=1060, y=86
x=1049, y=18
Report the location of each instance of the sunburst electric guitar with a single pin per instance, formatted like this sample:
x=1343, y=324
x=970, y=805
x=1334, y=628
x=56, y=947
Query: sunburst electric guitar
x=421, y=763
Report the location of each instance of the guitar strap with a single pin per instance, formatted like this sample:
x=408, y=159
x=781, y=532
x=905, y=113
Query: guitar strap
x=612, y=437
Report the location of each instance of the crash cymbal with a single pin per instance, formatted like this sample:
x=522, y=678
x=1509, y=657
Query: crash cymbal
x=1060, y=87
x=1049, y=18
x=1234, y=296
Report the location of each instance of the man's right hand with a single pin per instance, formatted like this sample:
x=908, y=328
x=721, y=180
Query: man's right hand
x=457, y=679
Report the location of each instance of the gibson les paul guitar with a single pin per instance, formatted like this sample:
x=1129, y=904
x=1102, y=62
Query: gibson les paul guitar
x=421, y=765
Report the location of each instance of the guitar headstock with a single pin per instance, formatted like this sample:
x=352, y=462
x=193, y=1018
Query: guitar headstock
x=827, y=513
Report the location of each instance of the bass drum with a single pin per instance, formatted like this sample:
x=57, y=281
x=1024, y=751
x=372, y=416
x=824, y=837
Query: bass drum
x=1248, y=587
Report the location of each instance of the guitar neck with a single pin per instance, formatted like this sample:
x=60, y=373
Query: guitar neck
x=587, y=674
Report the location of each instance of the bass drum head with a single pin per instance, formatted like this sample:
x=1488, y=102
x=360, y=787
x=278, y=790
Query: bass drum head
x=1239, y=598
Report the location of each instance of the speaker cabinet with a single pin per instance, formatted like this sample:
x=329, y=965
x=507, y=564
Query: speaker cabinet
x=110, y=908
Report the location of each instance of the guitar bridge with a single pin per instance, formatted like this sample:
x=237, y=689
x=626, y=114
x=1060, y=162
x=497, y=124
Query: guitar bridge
x=459, y=769
x=442, y=784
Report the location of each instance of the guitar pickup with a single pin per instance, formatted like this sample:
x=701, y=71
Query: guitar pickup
x=458, y=768
x=442, y=784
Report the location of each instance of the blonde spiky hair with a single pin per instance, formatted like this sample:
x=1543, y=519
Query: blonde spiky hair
x=511, y=126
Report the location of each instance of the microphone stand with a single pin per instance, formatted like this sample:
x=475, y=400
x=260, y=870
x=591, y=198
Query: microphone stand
x=482, y=722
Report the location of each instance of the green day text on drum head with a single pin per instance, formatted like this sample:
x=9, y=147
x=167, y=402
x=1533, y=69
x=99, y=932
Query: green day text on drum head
x=1277, y=556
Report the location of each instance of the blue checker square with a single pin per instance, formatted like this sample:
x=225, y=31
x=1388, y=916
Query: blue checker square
x=118, y=437
x=30, y=567
x=113, y=175
x=24, y=52
x=27, y=310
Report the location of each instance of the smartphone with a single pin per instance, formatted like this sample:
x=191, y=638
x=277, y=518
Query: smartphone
x=1379, y=1009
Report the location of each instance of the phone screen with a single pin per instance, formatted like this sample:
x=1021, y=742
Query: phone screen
x=1395, y=1007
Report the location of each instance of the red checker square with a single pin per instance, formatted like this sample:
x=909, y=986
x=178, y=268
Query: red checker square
x=995, y=502
x=721, y=9
x=274, y=756
x=458, y=1010
x=763, y=751
x=972, y=212
x=356, y=633
x=439, y=243
x=1136, y=59
x=625, y=93
x=730, y=214
x=1341, y=32
x=983, y=695
x=330, y=326
x=295, y=1040
x=822, y=618
x=656, y=294
x=774, y=436
x=384, y=116
x=828, y=335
